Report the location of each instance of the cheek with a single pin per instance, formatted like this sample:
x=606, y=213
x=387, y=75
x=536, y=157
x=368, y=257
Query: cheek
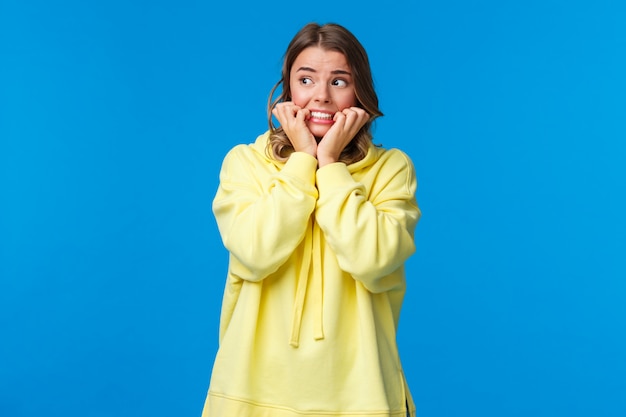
x=295, y=92
x=345, y=101
x=298, y=98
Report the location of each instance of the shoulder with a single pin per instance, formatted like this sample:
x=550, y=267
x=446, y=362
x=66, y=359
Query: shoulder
x=248, y=150
x=392, y=157
x=249, y=160
x=393, y=170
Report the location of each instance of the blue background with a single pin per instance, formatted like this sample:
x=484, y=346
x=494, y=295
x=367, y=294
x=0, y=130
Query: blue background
x=115, y=116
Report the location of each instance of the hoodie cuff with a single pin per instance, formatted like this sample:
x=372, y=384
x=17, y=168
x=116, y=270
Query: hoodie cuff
x=301, y=165
x=333, y=175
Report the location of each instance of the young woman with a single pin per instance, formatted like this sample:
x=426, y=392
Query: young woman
x=318, y=222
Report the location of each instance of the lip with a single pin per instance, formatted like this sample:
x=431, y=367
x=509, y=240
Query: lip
x=321, y=117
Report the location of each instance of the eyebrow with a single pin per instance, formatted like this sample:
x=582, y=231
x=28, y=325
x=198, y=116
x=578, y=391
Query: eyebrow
x=342, y=72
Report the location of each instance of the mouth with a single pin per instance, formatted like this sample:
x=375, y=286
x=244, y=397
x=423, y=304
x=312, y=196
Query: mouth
x=323, y=117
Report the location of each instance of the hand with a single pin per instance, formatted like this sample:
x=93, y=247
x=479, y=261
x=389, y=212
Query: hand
x=347, y=124
x=292, y=119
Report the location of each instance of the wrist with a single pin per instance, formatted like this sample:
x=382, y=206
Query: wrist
x=323, y=160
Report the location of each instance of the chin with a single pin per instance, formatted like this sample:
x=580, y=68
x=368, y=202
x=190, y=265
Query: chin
x=318, y=132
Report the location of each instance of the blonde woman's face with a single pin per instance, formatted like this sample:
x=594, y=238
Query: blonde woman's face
x=321, y=81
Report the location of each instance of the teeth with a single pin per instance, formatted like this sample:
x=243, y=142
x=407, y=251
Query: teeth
x=320, y=115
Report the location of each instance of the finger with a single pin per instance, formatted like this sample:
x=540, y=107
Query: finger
x=347, y=119
x=285, y=112
x=355, y=112
x=356, y=117
x=339, y=117
x=302, y=115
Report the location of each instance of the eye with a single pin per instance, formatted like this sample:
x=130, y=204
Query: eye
x=306, y=81
x=340, y=83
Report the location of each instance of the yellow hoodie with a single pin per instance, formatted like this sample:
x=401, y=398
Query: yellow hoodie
x=315, y=285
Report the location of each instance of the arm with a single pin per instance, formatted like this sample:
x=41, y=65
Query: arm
x=263, y=213
x=370, y=230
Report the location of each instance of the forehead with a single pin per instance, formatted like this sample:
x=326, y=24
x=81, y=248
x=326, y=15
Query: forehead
x=320, y=59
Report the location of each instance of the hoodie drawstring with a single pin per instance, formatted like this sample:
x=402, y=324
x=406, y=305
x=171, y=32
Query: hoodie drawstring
x=301, y=292
x=318, y=286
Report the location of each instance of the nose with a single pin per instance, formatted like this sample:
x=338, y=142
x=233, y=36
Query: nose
x=322, y=93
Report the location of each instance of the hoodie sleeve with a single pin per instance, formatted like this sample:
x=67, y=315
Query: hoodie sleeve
x=370, y=230
x=263, y=213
